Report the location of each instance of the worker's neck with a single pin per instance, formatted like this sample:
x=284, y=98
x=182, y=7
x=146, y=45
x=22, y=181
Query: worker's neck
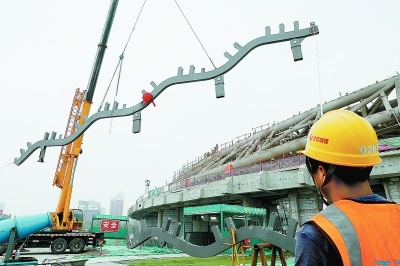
x=337, y=190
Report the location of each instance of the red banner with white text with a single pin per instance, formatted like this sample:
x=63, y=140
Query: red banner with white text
x=109, y=226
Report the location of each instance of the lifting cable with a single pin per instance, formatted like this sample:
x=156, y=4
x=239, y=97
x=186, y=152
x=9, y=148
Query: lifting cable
x=319, y=77
x=6, y=165
x=195, y=34
x=121, y=58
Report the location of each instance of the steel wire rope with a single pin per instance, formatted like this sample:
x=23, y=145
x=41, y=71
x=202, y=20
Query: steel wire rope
x=120, y=59
x=204, y=49
x=116, y=91
x=319, y=77
x=6, y=165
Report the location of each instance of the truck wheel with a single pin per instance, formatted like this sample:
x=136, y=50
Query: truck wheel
x=76, y=245
x=3, y=249
x=58, y=246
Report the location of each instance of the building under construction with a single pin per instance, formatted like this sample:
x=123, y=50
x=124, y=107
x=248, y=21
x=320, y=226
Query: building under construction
x=263, y=170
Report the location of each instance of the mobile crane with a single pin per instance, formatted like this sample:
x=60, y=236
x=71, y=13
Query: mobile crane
x=66, y=223
x=66, y=229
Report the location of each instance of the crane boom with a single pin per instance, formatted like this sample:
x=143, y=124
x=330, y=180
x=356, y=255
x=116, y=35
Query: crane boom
x=64, y=218
x=66, y=224
x=99, y=57
x=65, y=152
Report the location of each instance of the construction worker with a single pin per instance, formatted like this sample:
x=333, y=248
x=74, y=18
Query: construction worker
x=359, y=227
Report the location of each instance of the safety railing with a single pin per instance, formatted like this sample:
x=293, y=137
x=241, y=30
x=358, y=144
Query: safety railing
x=271, y=165
x=205, y=178
x=153, y=193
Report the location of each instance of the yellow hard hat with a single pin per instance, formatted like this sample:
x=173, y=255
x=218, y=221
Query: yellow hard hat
x=342, y=137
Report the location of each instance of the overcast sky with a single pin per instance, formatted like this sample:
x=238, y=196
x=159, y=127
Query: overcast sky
x=48, y=48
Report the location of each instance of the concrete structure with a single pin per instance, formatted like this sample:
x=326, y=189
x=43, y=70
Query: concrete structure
x=89, y=208
x=117, y=205
x=262, y=169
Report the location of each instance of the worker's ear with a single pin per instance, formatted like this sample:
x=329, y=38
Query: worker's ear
x=320, y=175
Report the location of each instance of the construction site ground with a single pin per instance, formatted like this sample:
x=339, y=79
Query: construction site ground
x=115, y=252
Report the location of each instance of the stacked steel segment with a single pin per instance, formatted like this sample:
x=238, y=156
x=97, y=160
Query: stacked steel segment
x=167, y=236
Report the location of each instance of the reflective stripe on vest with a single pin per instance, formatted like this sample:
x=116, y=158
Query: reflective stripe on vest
x=346, y=229
x=363, y=233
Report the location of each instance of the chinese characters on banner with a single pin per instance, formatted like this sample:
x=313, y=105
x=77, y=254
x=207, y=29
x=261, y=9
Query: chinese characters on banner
x=109, y=225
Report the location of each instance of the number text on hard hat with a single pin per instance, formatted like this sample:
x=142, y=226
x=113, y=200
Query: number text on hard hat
x=364, y=150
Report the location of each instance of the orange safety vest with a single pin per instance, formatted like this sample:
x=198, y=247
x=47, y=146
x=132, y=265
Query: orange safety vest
x=363, y=233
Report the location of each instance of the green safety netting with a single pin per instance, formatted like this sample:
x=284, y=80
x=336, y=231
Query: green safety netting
x=118, y=248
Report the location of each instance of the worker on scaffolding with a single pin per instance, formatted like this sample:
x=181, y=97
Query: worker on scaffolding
x=359, y=227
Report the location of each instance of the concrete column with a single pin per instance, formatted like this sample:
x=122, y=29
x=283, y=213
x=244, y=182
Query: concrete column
x=307, y=203
x=160, y=219
x=318, y=208
x=387, y=191
x=398, y=190
x=296, y=207
x=394, y=189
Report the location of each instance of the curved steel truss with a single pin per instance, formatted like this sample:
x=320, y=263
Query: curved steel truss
x=221, y=244
x=295, y=38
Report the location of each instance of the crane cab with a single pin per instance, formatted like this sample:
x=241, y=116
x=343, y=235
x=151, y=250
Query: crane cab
x=74, y=221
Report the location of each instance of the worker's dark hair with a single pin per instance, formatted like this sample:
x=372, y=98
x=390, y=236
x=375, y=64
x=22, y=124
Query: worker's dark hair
x=348, y=175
